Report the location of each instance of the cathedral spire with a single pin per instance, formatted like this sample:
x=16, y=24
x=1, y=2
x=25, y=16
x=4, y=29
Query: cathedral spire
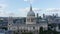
x=30, y=7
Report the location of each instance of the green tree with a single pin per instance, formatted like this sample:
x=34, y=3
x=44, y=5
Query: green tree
x=4, y=28
x=27, y=33
x=41, y=30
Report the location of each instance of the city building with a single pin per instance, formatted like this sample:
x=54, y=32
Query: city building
x=30, y=23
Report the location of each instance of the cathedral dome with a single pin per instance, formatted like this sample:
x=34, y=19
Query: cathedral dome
x=31, y=13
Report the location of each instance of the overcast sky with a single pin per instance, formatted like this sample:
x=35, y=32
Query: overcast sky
x=20, y=8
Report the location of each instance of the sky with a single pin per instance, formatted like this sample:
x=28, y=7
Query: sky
x=20, y=8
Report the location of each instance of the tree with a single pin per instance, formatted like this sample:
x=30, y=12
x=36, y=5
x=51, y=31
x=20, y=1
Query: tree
x=27, y=33
x=4, y=28
x=41, y=30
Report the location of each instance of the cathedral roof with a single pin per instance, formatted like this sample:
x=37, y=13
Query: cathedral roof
x=31, y=13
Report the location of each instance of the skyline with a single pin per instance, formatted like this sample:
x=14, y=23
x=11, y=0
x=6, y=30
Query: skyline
x=21, y=7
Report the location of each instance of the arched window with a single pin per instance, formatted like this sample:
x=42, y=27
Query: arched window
x=28, y=20
x=33, y=27
x=32, y=20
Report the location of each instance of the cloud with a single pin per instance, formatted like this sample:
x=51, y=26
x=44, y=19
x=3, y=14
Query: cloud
x=3, y=8
x=28, y=8
x=48, y=11
x=29, y=1
x=53, y=9
x=38, y=9
x=24, y=11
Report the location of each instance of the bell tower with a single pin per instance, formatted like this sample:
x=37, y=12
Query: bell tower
x=10, y=22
